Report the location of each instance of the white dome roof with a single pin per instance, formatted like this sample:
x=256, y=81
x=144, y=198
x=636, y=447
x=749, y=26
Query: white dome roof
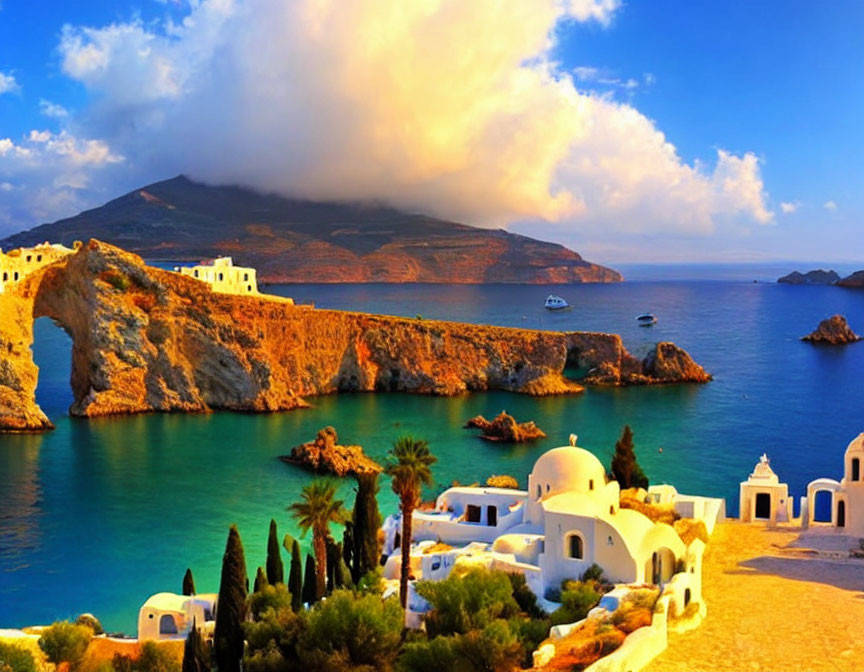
x=569, y=469
x=856, y=445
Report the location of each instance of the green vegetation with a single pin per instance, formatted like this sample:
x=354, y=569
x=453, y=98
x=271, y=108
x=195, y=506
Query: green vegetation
x=154, y=658
x=16, y=658
x=269, y=597
x=310, y=581
x=188, y=583
x=366, y=521
x=409, y=467
x=318, y=509
x=196, y=656
x=275, y=569
x=295, y=577
x=579, y=597
x=260, y=580
x=625, y=468
x=65, y=642
x=228, y=637
x=91, y=622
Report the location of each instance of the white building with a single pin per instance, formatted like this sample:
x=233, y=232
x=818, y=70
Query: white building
x=170, y=616
x=567, y=520
x=763, y=497
x=17, y=264
x=846, y=497
x=223, y=276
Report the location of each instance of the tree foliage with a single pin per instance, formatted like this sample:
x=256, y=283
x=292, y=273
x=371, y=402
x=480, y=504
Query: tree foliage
x=65, y=642
x=295, y=577
x=275, y=568
x=366, y=520
x=196, y=657
x=310, y=581
x=625, y=468
x=317, y=509
x=231, y=611
x=16, y=658
x=188, y=583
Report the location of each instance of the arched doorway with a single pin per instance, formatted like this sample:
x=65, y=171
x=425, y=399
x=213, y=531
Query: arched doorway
x=822, y=506
x=662, y=565
x=841, y=513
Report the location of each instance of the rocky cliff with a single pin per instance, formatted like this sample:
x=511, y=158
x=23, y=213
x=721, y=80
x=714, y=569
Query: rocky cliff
x=854, y=280
x=145, y=339
x=302, y=241
x=817, y=277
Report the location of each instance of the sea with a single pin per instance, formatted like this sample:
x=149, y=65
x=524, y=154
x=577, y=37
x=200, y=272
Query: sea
x=98, y=515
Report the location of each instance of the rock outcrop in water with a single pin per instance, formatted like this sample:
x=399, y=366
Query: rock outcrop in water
x=504, y=428
x=145, y=339
x=853, y=281
x=324, y=455
x=817, y=277
x=833, y=330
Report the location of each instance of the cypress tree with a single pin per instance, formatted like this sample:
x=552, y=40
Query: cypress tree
x=260, y=580
x=194, y=652
x=334, y=555
x=295, y=577
x=231, y=611
x=367, y=522
x=310, y=581
x=625, y=468
x=275, y=569
x=348, y=544
x=188, y=583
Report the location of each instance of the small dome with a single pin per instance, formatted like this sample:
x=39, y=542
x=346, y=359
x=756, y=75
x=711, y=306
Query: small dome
x=856, y=445
x=569, y=469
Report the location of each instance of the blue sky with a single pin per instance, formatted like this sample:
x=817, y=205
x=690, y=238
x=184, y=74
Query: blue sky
x=777, y=85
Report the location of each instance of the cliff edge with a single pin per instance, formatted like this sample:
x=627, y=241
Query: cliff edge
x=145, y=339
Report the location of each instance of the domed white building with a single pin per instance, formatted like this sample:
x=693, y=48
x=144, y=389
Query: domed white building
x=567, y=520
x=846, y=496
x=763, y=497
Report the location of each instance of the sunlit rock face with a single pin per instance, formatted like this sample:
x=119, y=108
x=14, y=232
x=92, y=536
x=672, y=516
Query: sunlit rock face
x=148, y=340
x=833, y=330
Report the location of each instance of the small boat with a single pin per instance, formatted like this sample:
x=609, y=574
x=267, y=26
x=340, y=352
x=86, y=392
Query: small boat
x=555, y=303
x=646, y=320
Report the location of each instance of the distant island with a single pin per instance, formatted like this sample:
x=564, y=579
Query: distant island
x=304, y=241
x=821, y=277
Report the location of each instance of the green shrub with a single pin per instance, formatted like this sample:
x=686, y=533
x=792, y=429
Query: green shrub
x=268, y=659
x=65, y=642
x=91, y=622
x=530, y=632
x=524, y=596
x=122, y=663
x=116, y=279
x=593, y=573
x=494, y=648
x=469, y=602
x=280, y=628
x=16, y=658
x=577, y=599
x=155, y=658
x=269, y=597
x=432, y=655
x=357, y=629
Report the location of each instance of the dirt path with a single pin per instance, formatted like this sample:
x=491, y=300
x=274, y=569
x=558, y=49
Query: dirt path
x=772, y=607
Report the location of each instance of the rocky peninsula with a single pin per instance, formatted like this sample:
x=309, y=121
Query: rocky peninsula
x=146, y=339
x=833, y=330
x=504, y=428
x=819, y=277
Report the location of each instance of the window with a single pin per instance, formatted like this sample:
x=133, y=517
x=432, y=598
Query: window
x=492, y=516
x=29, y=257
x=5, y=277
x=38, y=257
x=611, y=509
x=221, y=277
x=167, y=625
x=248, y=288
x=856, y=469
x=472, y=513
x=16, y=275
x=245, y=277
x=686, y=596
x=591, y=484
x=609, y=541
x=548, y=487
x=196, y=272
x=576, y=547
x=539, y=488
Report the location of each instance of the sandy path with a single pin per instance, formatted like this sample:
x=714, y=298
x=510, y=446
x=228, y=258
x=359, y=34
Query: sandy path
x=772, y=608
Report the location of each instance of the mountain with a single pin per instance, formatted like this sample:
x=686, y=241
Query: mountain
x=304, y=241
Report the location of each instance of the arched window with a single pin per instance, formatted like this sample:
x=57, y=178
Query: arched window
x=196, y=272
x=5, y=277
x=548, y=487
x=576, y=547
x=856, y=469
x=686, y=596
x=612, y=510
x=167, y=625
x=590, y=483
x=38, y=257
x=221, y=276
x=539, y=491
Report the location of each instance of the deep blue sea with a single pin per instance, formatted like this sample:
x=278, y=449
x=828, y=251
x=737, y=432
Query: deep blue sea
x=97, y=515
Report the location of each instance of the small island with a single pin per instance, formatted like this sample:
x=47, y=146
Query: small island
x=325, y=455
x=505, y=429
x=833, y=330
x=817, y=277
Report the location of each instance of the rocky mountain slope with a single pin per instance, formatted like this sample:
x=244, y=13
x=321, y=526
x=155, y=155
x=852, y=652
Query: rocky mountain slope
x=820, y=277
x=145, y=339
x=302, y=241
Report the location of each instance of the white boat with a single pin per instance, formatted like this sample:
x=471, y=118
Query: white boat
x=555, y=303
x=646, y=320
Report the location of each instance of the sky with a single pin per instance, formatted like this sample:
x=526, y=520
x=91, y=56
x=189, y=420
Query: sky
x=650, y=131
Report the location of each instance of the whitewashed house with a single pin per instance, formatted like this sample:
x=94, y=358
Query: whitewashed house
x=846, y=496
x=223, y=276
x=763, y=497
x=170, y=616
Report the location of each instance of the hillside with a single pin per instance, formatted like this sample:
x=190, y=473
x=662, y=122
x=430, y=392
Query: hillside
x=302, y=241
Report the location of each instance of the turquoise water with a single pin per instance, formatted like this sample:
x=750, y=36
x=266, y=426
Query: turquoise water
x=98, y=515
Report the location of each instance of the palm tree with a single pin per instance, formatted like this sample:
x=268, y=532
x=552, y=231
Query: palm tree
x=318, y=509
x=409, y=467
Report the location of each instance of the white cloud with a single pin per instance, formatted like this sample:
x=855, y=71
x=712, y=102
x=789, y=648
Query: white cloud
x=49, y=109
x=8, y=83
x=788, y=207
x=831, y=206
x=334, y=100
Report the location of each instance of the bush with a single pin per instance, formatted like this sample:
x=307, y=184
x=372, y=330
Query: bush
x=468, y=602
x=280, y=628
x=16, y=658
x=502, y=481
x=65, y=642
x=432, y=655
x=593, y=573
x=269, y=659
x=355, y=629
x=116, y=279
x=530, y=632
x=577, y=599
x=91, y=622
x=494, y=648
x=524, y=596
x=269, y=597
x=155, y=658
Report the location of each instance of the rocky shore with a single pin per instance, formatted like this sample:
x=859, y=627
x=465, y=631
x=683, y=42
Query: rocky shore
x=833, y=331
x=821, y=277
x=145, y=340
x=504, y=428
